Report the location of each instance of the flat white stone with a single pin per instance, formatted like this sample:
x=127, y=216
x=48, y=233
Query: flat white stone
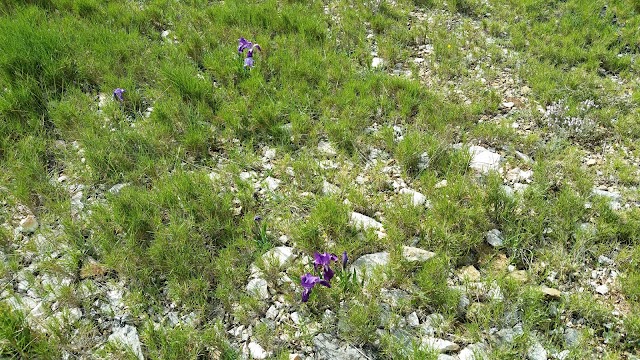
x=128, y=336
x=494, y=238
x=280, y=255
x=269, y=154
x=377, y=62
x=417, y=199
x=602, y=289
x=536, y=352
x=363, y=222
x=519, y=175
x=412, y=320
x=507, y=104
x=439, y=345
x=326, y=148
x=258, y=287
x=256, y=351
x=366, y=264
x=473, y=352
x=272, y=183
x=329, y=189
x=483, y=160
x=441, y=184
x=117, y=187
x=416, y=254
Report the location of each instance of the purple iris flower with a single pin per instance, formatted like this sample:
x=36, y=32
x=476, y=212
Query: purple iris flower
x=324, y=261
x=308, y=281
x=344, y=260
x=117, y=93
x=244, y=44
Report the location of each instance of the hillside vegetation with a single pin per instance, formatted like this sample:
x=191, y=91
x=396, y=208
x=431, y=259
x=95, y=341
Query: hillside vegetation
x=169, y=191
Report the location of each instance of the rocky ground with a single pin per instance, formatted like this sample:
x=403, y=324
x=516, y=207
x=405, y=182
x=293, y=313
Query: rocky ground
x=61, y=289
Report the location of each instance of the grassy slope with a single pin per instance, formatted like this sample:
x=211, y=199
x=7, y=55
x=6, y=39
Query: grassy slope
x=172, y=233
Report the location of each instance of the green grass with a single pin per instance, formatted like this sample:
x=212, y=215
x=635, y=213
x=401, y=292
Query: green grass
x=173, y=235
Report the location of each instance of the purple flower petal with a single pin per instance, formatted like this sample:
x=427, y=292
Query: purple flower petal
x=244, y=44
x=327, y=273
x=325, y=283
x=305, y=295
x=117, y=93
x=248, y=62
x=344, y=260
x=308, y=281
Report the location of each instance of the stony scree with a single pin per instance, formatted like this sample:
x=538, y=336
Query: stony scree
x=327, y=347
x=494, y=238
x=128, y=336
x=483, y=160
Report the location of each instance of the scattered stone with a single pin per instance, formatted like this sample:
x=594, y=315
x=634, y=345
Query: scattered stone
x=327, y=347
x=439, y=345
x=76, y=203
x=417, y=199
x=473, y=352
x=519, y=175
x=278, y=256
x=364, y=222
x=520, y=188
x=28, y=224
x=272, y=183
x=272, y=312
x=447, y=357
x=591, y=162
x=441, y=184
x=536, y=352
x=507, y=105
x=256, y=351
x=377, y=62
x=602, y=289
x=414, y=254
x=424, y=162
x=117, y=187
x=269, y=154
x=412, y=320
x=325, y=148
x=329, y=189
x=551, y=292
x=524, y=157
x=483, y=160
x=295, y=317
x=366, y=264
x=295, y=357
x=508, y=335
x=564, y=354
x=469, y=273
x=494, y=238
x=571, y=337
x=128, y=336
x=614, y=198
x=433, y=323
x=394, y=297
x=604, y=260
x=258, y=287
